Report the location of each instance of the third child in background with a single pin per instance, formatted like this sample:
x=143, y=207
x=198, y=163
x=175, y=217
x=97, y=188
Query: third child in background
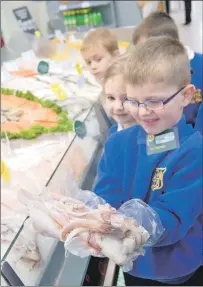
x=148, y=7
x=161, y=24
x=99, y=49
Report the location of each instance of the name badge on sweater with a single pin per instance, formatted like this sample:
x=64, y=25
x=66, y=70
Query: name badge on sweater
x=168, y=140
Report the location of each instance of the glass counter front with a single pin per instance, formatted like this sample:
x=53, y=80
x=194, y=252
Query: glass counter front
x=40, y=261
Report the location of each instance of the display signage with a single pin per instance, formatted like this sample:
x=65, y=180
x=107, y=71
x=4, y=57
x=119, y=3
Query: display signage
x=25, y=20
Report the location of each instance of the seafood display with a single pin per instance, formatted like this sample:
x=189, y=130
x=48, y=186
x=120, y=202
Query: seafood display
x=36, y=132
x=9, y=114
x=25, y=116
x=101, y=231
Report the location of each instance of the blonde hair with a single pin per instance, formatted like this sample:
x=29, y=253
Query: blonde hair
x=100, y=37
x=116, y=68
x=158, y=60
x=156, y=24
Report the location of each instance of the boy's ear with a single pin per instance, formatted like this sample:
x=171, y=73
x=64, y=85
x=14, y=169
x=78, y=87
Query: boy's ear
x=188, y=94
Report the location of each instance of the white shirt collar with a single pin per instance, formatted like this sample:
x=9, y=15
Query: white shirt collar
x=119, y=128
x=190, y=52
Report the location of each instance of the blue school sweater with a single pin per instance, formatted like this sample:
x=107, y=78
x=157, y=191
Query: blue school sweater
x=196, y=65
x=112, y=130
x=171, y=183
x=199, y=121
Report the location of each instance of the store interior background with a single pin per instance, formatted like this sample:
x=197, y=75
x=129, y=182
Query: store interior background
x=120, y=14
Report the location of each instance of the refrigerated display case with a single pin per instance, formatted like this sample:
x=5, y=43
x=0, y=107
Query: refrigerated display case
x=47, y=265
x=40, y=164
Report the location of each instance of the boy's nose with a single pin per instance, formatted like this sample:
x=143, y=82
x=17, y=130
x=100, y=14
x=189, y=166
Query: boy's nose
x=119, y=105
x=93, y=65
x=144, y=111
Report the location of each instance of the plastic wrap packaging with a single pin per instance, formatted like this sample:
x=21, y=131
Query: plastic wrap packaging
x=89, y=226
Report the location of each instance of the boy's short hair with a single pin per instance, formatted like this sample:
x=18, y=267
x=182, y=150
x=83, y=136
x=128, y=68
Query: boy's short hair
x=103, y=37
x=156, y=24
x=158, y=60
x=116, y=68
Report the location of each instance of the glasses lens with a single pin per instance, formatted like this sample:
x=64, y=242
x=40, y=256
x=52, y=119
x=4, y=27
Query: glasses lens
x=153, y=105
x=133, y=105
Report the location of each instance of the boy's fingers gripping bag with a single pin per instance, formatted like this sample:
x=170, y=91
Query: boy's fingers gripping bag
x=89, y=226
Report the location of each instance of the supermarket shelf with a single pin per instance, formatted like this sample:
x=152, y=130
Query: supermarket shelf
x=80, y=29
x=82, y=4
x=86, y=29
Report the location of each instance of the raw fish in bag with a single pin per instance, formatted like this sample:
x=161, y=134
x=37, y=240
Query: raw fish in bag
x=89, y=226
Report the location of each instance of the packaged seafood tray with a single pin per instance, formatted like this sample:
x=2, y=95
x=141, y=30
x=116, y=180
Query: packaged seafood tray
x=41, y=166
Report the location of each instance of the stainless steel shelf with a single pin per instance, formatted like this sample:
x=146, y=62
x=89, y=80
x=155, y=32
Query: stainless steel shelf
x=82, y=4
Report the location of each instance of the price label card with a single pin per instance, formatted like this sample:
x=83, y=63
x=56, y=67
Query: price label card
x=43, y=67
x=37, y=34
x=78, y=68
x=80, y=129
x=5, y=172
x=58, y=91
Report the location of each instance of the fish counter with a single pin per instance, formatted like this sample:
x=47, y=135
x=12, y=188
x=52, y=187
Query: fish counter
x=38, y=260
x=52, y=126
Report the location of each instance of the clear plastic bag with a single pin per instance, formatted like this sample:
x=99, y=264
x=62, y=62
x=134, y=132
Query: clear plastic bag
x=145, y=216
x=89, y=226
x=134, y=226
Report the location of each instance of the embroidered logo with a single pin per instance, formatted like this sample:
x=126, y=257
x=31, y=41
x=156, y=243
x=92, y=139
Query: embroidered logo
x=158, y=178
x=150, y=138
x=197, y=97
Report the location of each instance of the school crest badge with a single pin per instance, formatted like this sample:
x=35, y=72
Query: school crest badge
x=158, y=178
x=197, y=97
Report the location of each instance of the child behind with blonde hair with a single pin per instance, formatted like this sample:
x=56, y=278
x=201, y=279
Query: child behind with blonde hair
x=114, y=94
x=99, y=49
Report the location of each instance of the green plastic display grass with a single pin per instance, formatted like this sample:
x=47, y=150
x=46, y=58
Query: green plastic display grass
x=64, y=124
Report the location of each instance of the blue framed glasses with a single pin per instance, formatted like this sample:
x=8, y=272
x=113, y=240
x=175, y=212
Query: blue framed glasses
x=151, y=104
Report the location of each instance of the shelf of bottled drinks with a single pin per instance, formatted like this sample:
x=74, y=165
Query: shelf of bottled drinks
x=82, y=19
x=81, y=15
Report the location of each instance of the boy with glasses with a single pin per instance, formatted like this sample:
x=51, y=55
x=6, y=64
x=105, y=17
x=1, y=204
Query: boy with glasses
x=159, y=163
